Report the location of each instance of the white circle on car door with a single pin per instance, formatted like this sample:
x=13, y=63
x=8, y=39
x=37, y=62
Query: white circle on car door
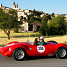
x=40, y=49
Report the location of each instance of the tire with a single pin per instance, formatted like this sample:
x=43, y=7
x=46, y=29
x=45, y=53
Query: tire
x=61, y=53
x=19, y=54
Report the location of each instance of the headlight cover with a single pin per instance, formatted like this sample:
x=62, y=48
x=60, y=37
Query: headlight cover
x=10, y=44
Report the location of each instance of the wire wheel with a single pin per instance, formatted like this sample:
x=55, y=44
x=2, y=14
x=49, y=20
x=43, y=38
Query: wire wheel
x=19, y=54
x=61, y=53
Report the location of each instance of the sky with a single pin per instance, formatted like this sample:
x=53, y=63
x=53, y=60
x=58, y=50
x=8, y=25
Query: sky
x=47, y=6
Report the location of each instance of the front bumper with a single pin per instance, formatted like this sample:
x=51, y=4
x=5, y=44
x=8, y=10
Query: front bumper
x=5, y=52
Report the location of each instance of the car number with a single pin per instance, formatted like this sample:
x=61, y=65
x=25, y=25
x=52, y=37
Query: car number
x=40, y=49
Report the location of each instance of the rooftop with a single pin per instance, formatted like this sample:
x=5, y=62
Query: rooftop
x=37, y=24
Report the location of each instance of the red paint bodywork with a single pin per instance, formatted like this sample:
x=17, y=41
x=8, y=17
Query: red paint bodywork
x=31, y=50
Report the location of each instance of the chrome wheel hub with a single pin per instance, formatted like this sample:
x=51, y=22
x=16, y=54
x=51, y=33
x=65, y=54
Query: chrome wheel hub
x=19, y=54
x=62, y=52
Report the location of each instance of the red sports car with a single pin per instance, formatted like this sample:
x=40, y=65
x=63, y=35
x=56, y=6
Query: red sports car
x=19, y=50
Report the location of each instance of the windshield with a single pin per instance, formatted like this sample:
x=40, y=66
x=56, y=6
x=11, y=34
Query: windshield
x=28, y=41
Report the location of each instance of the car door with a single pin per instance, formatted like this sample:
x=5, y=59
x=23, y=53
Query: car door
x=51, y=48
x=40, y=50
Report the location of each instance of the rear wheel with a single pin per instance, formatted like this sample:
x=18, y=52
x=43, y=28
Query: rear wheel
x=61, y=53
x=19, y=54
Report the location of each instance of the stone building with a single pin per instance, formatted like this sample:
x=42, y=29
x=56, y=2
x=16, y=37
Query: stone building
x=25, y=27
x=21, y=12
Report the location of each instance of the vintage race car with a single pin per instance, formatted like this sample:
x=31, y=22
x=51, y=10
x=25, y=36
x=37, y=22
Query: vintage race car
x=19, y=50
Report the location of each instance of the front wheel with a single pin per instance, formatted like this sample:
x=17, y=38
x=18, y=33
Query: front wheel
x=61, y=53
x=19, y=54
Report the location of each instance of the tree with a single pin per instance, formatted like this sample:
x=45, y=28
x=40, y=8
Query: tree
x=53, y=15
x=66, y=27
x=8, y=21
x=43, y=28
x=37, y=13
x=35, y=16
x=56, y=26
x=23, y=18
x=13, y=13
x=44, y=18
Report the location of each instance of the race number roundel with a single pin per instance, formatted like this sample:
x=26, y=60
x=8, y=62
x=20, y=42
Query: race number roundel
x=40, y=49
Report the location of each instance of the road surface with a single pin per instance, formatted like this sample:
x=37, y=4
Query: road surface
x=33, y=62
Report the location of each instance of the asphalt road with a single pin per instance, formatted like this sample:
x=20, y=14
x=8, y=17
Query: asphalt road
x=33, y=62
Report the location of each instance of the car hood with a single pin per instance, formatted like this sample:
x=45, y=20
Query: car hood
x=2, y=49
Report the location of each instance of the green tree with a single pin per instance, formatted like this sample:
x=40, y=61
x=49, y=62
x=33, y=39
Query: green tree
x=56, y=26
x=53, y=15
x=35, y=16
x=23, y=18
x=8, y=21
x=66, y=27
x=13, y=13
x=44, y=18
x=37, y=13
x=43, y=28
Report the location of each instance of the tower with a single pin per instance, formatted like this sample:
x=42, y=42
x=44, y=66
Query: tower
x=14, y=6
x=0, y=5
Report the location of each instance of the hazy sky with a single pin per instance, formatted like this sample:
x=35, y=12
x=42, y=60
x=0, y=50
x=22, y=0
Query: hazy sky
x=47, y=6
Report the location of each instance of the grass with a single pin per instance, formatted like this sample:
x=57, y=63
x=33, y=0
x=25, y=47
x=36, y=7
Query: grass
x=22, y=34
x=60, y=39
x=23, y=37
x=2, y=45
